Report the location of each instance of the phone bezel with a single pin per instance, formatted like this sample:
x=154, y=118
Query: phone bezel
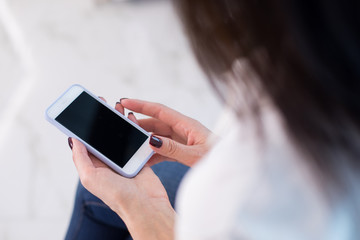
x=134, y=164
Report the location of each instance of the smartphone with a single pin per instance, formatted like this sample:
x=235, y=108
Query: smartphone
x=106, y=133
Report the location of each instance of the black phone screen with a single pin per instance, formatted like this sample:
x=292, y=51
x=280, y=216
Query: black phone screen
x=102, y=129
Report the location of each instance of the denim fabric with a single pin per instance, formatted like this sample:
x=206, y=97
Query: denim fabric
x=92, y=219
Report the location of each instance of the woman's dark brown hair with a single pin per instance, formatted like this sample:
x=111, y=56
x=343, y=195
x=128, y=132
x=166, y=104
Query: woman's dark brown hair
x=306, y=59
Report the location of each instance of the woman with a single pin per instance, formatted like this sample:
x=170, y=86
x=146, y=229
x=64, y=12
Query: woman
x=288, y=166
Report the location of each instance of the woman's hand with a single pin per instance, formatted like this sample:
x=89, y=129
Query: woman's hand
x=178, y=137
x=141, y=202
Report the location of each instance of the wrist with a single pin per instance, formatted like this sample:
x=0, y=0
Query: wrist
x=150, y=219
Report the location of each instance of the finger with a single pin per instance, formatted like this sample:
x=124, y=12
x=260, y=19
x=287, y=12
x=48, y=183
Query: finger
x=103, y=99
x=169, y=148
x=156, y=158
x=132, y=117
x=156, y=126
x=82, y=161
x=96, y=162
x=156, y=110
x=119, y=108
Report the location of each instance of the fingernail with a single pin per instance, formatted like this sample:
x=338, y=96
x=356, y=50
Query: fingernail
x=122, y=99
x=117, y=103
x=70, y=142
x=100, y=97
x=155, y=141
x=131, y=113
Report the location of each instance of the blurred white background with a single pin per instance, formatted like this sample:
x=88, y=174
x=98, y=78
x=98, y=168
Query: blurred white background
x=115, y=49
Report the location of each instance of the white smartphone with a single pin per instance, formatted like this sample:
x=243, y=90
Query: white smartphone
x=106, y=133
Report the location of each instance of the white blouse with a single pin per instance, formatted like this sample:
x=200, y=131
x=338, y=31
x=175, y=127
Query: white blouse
x=257, y=187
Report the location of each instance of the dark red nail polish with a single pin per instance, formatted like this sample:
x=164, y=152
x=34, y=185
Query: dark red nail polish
x=70, y=142
x=155, y=141
x=117, y=103
x=131, y=113
x=122, y=99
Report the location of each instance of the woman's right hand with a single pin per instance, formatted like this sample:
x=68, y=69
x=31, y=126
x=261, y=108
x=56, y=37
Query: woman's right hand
x=176, y=136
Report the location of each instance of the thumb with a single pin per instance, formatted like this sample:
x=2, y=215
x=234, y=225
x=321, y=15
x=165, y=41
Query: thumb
x=172, y=149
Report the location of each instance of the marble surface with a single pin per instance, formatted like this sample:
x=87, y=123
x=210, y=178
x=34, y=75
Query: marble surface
x=116, y=49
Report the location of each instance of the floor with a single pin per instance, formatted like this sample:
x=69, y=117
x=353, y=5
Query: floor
x=133, y=49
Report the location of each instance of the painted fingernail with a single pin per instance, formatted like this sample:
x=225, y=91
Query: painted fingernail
x=122, y=99
x=131, y=113
x=117, y=103
x=155, y=141
x=70, y=142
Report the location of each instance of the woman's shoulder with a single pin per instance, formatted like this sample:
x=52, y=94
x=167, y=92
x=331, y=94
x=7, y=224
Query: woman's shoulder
x=253, y=187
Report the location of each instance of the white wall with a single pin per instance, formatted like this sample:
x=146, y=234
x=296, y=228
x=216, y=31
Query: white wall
x=118, y=49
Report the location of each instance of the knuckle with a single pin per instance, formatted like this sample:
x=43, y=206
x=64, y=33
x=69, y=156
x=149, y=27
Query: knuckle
x=159, y=105
x=194, y=122
x=157, y=110
x=172, y=148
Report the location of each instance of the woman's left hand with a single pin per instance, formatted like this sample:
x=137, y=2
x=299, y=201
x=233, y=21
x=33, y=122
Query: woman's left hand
x=141, y=202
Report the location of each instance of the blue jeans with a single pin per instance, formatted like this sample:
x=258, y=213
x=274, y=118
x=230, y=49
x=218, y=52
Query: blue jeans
x=92, y=219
